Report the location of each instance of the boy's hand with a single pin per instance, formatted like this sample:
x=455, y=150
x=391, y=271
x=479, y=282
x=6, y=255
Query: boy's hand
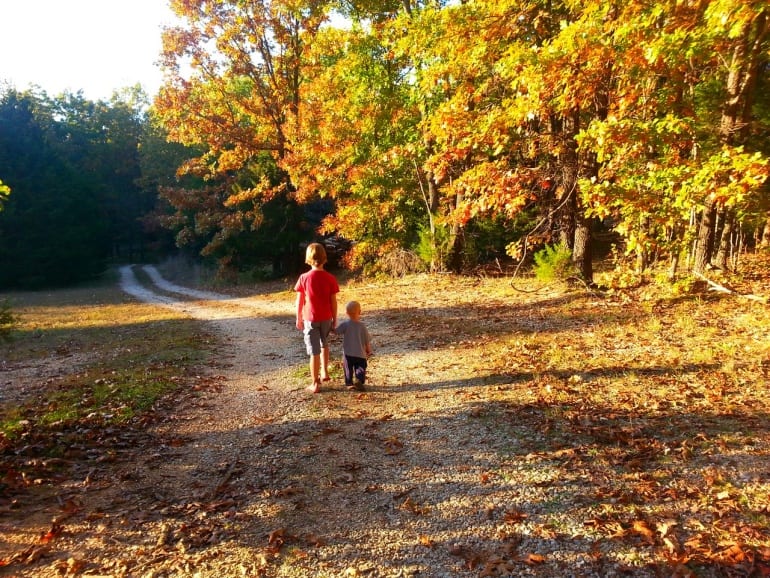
x=300, y=324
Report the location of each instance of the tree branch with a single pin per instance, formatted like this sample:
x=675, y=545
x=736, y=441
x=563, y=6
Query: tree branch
x=722, y=289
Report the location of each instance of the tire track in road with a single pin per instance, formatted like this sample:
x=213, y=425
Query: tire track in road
x=205, y=305
x=260, y=348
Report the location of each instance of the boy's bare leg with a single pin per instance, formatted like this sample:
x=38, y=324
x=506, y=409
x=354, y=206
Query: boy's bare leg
x=325, y=364
x=315, y=370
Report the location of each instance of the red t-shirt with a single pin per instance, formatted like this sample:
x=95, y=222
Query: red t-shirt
x=319, y=286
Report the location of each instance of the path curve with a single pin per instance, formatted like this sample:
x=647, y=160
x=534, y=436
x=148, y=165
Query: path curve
x=260, y=344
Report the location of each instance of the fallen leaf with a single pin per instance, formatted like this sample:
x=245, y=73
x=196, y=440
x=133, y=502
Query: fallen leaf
x=53, y=533
x=640, y=527
x=288, y=491
x=426, y=541
x=276, y=537
x=393, y=446
x=514, y=516
x=664, y=527
x=410, y=505
x=534, y=559
x=314, y=540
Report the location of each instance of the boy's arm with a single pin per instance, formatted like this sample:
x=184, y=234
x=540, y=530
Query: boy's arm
x=334, y=310
x=300, y=308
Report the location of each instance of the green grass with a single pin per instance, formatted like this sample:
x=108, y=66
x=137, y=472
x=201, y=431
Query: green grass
x=114, y=359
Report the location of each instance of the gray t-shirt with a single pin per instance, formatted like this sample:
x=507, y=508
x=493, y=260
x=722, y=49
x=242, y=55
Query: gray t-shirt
x=355, y=338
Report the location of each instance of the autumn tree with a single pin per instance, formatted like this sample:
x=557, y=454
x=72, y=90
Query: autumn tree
x=662, y=159
x=740, y=32
x=374, y=138
x=636, y=115
x=234, y=72
x=500, y=120
x=357, y=122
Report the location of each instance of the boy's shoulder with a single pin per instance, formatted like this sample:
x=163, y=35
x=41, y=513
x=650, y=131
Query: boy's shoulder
x=321, y=272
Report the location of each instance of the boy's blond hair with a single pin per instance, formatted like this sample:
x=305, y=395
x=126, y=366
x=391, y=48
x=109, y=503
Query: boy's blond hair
x=352, y=306
x=315, y=256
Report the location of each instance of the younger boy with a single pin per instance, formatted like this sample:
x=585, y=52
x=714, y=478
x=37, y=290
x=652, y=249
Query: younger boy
x=317, y=312
x=356, y=347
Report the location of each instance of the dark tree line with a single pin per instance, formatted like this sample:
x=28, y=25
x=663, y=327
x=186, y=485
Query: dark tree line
x=82, y=193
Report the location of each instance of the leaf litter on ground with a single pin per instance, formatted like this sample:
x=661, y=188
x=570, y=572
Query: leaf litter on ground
x=627, y=434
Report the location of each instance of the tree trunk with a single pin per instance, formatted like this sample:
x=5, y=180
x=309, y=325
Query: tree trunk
x=582, y=254
x=704, y=245
x=570, y=126
x=455, y=260
x=723, y=252
x=742, y=78
x=674, y=266
x=765, y=241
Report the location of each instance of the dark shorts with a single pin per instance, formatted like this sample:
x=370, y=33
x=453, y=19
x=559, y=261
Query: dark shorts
x=354, y=368
x=317, y=336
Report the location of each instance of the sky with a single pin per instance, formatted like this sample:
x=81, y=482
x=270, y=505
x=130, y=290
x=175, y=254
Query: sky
x=96, y=46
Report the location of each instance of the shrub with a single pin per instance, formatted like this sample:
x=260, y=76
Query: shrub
x=400, y=262
x=433, y=247
x=554, y=263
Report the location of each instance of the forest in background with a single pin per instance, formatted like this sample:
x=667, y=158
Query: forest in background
x=429, y=134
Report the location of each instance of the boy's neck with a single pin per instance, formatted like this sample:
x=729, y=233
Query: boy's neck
x=317, y=267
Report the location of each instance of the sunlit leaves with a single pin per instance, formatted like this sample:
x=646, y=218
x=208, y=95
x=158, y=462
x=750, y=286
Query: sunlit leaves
x=578, y=109
x=4, y=192
x=233, y=76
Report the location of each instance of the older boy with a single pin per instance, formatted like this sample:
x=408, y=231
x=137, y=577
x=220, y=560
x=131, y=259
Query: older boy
x=317, y=312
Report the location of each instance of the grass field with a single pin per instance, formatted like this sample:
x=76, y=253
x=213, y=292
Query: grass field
x=92, y=355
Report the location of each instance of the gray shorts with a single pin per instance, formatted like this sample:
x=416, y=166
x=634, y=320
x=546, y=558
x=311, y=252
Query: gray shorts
x=317, y=336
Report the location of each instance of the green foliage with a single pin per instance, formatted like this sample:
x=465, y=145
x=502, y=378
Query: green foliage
x=79, y=197
x=4, y=192
x=554, y=263
x=52, y=229
x=246, y=223
x=433, y=247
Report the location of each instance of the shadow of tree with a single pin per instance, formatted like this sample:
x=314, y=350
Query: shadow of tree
x=531, y=487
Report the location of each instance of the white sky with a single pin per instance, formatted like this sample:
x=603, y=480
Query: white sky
x=96, y=46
